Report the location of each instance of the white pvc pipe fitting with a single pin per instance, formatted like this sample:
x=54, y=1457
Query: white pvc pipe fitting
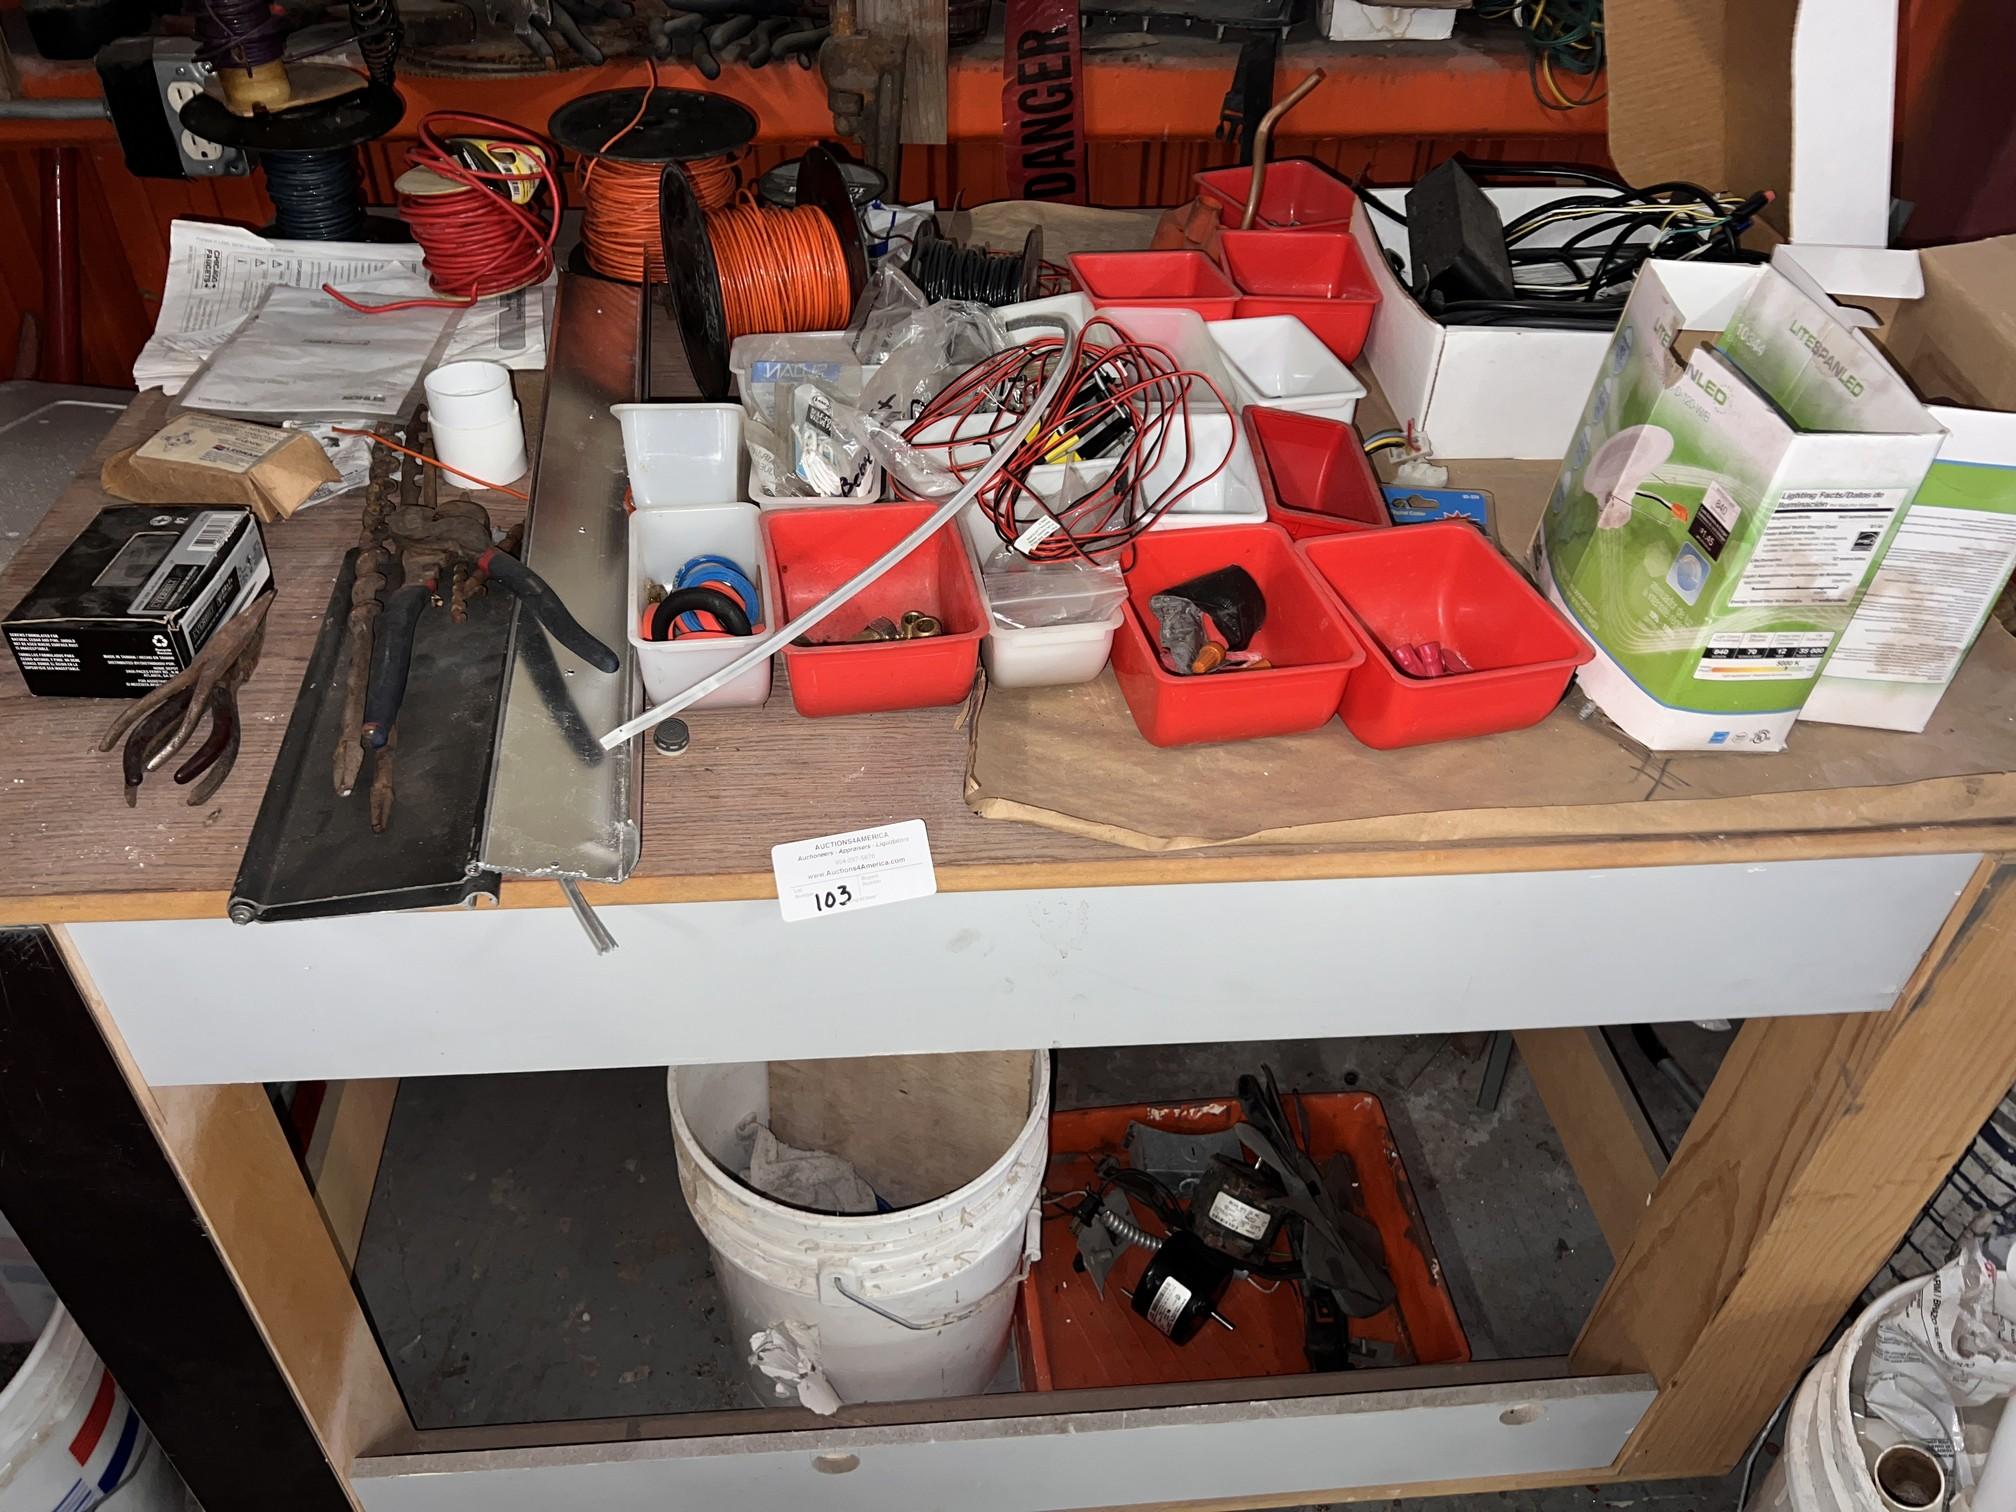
x=482, y=455
x=468, y=395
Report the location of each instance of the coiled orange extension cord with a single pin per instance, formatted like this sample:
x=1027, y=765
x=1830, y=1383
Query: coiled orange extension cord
x=781, y=270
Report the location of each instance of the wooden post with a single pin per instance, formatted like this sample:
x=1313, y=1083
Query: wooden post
x=1604, y=1133
x=1820, y=1140
x=190, y=1278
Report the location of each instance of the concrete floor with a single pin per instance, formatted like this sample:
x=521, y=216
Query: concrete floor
x=528, y=1255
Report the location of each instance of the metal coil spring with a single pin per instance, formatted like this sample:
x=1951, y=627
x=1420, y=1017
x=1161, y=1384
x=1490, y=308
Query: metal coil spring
x=379, y=34
x=1126, y=1228
x=315, y=195
x=237, y=33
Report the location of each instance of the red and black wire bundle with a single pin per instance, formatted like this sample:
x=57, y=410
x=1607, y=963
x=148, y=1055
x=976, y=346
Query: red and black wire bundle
x=1126, y=407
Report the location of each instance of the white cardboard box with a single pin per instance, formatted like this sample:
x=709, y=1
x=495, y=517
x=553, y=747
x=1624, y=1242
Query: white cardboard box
x=1936, y=587
x=1474, y=391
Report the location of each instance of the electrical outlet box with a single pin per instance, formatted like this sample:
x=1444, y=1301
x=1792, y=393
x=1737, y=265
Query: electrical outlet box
x=147, y=81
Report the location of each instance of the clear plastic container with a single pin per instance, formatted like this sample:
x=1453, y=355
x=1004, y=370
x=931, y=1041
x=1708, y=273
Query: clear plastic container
x=682, y=453
x=1041, y=656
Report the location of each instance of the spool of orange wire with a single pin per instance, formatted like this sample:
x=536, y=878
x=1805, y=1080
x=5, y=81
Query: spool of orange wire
x=625, y=138
x=750, y=269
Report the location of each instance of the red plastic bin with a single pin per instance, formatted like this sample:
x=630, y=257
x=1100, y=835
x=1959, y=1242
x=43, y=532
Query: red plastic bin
x=1189, y=280
x=1319, y=277
x=814, y=551
x=1298, y=194
x=1314, y=474
x=1444, y=582
x=1070, y=1336
x=1304, y=636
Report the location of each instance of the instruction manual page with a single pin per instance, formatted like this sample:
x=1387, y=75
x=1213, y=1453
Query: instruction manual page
x=218, y=275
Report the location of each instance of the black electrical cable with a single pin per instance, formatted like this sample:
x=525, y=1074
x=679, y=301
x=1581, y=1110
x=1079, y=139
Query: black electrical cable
x=237, y=33
x=379, y=34
x=946, y=270
x=316, y=195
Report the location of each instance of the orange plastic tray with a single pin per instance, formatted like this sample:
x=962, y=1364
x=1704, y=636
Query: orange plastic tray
x=1068, y=1336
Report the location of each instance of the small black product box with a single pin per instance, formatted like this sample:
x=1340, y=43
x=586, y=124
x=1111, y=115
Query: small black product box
x=132, y=600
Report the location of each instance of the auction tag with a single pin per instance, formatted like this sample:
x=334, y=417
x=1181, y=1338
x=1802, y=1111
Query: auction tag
x=839, y=874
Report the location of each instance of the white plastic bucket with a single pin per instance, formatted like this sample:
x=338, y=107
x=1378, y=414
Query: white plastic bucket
x=69, y=1439
x=1825, y=1466
x=912, y=1303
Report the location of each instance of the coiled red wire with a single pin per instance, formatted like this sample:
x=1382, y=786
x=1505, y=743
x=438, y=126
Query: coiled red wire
x=1115, y=376
x=478, y=241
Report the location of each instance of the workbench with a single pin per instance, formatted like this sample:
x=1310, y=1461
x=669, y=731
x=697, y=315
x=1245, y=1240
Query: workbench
x=1868, y=960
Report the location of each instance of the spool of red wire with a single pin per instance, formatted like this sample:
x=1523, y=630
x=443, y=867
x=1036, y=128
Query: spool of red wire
x=484, y=205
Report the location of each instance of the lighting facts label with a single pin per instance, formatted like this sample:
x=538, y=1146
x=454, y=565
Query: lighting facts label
x=843, y=874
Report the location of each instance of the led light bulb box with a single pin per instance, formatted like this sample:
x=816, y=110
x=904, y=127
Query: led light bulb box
x=1740, y=468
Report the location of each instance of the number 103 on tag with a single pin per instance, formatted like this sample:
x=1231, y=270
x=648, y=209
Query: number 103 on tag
x=843, y=874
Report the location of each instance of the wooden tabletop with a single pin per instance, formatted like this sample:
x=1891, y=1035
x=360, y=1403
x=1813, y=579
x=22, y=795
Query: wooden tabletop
x=74, y=851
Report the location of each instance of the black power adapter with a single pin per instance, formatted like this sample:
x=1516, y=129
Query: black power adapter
x=1457, y=240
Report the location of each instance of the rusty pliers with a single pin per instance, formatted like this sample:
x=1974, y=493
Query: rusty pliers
x=162, y=722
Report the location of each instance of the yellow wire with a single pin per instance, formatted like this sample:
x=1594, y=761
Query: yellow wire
x=1374, y=445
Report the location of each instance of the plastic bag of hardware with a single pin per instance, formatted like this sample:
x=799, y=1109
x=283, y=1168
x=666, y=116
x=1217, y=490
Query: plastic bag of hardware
x=915, y=471
x=887, y=299
x=768, y=368
x=1028, y=595
x=825, y=454
x=929, y=349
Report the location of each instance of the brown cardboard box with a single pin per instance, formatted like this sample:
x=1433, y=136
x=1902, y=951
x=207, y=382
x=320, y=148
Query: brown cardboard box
x=205, y=459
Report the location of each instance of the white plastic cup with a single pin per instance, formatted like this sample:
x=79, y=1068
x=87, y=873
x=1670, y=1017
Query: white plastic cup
x=470, y=395
x=480, y=456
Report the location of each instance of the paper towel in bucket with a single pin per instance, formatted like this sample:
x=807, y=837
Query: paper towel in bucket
x=1946, y=1353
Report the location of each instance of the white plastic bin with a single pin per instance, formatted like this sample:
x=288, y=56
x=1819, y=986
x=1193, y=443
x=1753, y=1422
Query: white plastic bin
x=947, y=1268
x=69, y=1439
x=1277, y=361
x=682, y=453
x=1185, y=336
x=661, y=542
x=1048, y=656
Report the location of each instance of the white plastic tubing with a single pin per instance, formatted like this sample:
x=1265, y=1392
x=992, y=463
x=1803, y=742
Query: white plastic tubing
x=783, y=635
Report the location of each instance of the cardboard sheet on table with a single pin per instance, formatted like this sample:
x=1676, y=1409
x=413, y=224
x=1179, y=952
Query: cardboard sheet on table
x=1070, y=759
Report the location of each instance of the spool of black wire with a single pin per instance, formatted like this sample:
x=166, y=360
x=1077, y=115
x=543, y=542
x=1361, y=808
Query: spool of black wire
x=945, y=269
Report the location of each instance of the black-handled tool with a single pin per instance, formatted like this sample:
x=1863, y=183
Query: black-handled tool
x=544, y=605
x=391, y=659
